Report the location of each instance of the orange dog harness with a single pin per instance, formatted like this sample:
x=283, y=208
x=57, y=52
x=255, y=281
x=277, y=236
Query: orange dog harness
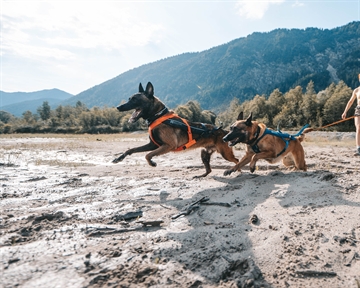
x=161, y=119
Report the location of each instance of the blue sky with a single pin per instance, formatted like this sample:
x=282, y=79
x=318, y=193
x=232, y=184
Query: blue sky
x=75, y=45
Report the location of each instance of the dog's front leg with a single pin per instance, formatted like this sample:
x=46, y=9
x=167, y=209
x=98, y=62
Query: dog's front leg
x=205, y=157
x=163, y=149
x=261, y=155
x=245, y=160
x=148, y=147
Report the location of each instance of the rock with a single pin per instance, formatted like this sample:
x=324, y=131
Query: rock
x=127, y=216
x=254, y=219
x=327, y=176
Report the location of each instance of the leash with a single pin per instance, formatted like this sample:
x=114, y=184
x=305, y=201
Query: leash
x=331, y=124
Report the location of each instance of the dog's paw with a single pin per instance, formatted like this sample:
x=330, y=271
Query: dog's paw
x=201, y=176
x=116, y=160
x=152, y=163
x=228, y=172
x=119, y=159
x=252, y=169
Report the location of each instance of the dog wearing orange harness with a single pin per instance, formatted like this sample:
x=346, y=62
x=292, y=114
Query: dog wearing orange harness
x=169, y=132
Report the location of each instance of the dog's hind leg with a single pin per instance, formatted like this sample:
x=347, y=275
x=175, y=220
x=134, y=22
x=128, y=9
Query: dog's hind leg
x=205, y=157
x=299, y=158
x=163, y=149
x=288, y=160
x=148, y=147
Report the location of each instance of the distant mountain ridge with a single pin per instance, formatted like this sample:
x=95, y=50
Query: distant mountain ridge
x=17, y=103
x=242, y=68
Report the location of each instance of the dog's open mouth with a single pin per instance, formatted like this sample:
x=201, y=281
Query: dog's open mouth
x=135, y=116
x=234, y=142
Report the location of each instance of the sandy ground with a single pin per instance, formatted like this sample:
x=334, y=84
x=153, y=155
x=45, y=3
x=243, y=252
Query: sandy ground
x=71, y=218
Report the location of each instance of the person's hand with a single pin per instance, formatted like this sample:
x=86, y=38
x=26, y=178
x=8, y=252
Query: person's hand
x=343, y=116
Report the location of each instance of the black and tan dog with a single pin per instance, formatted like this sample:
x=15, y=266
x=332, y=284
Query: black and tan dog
x=264, y=143
x=168, y=132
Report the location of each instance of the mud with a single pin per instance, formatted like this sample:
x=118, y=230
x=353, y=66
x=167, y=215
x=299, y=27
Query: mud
x=71, y=218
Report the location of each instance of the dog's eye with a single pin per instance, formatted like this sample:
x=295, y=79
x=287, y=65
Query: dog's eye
x=133, y=99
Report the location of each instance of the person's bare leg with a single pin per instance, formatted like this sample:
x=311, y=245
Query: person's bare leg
x=357, y=136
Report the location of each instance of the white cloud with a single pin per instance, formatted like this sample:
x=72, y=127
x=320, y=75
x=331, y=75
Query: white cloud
x=54, y=28
x=253, y=9
x=298, y=4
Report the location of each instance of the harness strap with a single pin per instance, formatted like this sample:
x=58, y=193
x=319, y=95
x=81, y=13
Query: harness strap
x=256, y=148
x=163, y=118
x=191, y=141
x=255, y=139
x=286, y=146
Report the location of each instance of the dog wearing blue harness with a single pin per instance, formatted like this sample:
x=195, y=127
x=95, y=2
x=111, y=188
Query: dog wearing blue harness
x=264, y=143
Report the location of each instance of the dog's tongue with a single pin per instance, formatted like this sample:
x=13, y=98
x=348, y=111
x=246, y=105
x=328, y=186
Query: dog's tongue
x=134, y=116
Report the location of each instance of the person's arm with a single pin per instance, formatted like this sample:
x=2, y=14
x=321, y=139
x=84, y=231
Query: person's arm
x=350, y=102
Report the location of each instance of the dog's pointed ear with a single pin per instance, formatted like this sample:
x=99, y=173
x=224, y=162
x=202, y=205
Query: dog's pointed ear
x=248, y=120
x=149, y=90
x=141, y=89
x=240, y=116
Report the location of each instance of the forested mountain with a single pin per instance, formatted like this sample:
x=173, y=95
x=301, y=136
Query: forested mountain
x=242, y=68
x=18, y=102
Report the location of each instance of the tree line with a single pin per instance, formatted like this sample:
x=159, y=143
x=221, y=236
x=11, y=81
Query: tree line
x=295, y=108
x=289, y=111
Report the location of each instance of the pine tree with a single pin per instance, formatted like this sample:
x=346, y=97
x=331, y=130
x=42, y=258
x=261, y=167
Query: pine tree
x=44, y=111
x=308, y=107
x=274, y=105
x=334, y=106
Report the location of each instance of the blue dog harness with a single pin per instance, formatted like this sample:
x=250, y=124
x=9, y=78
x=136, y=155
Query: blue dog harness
x=284, y=136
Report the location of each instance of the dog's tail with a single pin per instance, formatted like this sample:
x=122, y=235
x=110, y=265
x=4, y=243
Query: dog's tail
x=307, y=130
x=301, y=137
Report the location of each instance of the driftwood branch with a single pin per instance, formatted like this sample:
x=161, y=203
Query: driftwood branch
x=193, y=206
x=216, y=203
x=354, y=256
x=99, y=231
x=186, y=212
x=153, y=223
x=205, y=201
x=128, y=216
x=313, y=273
x=201, y=200
x=165, y=207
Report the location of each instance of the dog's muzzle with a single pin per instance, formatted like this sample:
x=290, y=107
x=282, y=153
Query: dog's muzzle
x=120, y=108
x=234, y=139
x=225, y=138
